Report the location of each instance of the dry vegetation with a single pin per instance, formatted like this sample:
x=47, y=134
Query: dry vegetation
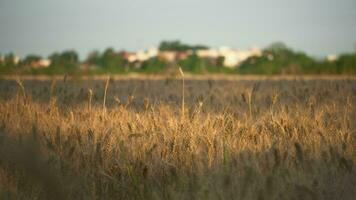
x=267, y=139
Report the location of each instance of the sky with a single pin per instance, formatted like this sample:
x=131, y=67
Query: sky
x=41, y=27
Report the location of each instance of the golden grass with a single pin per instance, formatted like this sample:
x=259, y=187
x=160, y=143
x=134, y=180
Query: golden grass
x=183, y=87
x=238, y=140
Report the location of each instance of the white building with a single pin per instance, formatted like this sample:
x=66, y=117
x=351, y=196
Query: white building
x=208, y=53
x=331, y=57
x=44, y=62
x=152, y=52
x=15, y=59
x=142, y=55
x=169, y=56
x=41, y=63
x=232, y=57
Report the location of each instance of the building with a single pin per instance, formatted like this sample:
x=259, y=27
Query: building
x=10, y=57
x=16, y=60
x=141, y=55
x=232, y=57
x=41, y=63
x=152, y=52
x=169, y=56
x=208, y=53
x=331, y=57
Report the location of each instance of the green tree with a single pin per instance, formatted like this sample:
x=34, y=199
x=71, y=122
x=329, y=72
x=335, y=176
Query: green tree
x=277, y=47
x=66, y=59
x=30, y=59
x=64, y=62
x=279, y=59
x=70, y=56
x=112, y=61
x=346, y=64
x=192, y=63
x=8, y=63
x=220, y=61
x=2, y=58
x=10, y=60
x=93, y=58
x=176, y=45
x=153, y=65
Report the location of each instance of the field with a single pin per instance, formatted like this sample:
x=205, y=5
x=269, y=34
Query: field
x=258, y=138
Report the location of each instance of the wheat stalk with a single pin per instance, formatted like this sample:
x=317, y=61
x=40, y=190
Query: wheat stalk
x=22, y=88
x=249, y=95
x=90, y=97
x=182, y=74
x=52, y=100
x=105, y=92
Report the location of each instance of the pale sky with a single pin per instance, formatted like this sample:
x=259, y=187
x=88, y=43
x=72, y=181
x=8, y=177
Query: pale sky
x=318, y=27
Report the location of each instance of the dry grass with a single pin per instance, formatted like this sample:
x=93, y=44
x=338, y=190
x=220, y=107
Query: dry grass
x=238, y=140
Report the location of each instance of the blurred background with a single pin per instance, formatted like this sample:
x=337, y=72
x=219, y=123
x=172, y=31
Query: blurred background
x=319, y=28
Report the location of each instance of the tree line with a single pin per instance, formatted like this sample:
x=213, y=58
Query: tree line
x=275, y=59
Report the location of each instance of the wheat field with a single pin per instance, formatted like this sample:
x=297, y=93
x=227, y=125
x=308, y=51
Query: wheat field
x=139, y=139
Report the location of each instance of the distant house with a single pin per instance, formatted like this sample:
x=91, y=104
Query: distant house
x=331, y=57
x=181, y=55
x=16, y=60
x=232, y=57
x=169, y=56
x=208, y=53
x=41, y=63
x=152, y=52
x=44, y=62
x=124, y=54
x=141, y=55
x=132, y=57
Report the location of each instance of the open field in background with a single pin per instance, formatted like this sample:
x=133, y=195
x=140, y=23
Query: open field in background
x=238, y=138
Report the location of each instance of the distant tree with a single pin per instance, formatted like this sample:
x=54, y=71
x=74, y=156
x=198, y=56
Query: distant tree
x=197, y=47
x=277, y=47
x=193, y=63
x=70, y=56
x=153, y=65
x=63, y=62
x=10, y=60
x=8, y=63
x=55, y=58
x=1, y=60
x=176, y=45
x=112, y=61
x=280, y=59
x=220, y=61
x=172, y=46
x=66, y=59
x=346, y=64
x=93, y=58
x=28, y=60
